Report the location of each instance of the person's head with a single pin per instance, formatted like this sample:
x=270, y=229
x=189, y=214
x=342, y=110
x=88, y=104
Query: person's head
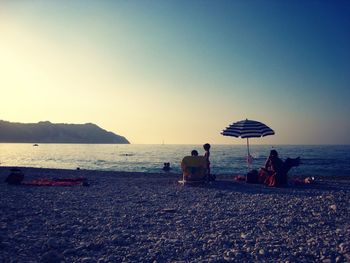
x=166, y=167
x=194, y=153
x=273, y=154
x=206, y=146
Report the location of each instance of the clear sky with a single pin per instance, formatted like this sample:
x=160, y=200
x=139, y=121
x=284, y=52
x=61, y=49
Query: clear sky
x=179, y=71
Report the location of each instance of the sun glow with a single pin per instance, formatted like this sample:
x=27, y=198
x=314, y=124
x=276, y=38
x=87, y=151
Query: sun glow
x=152, y=72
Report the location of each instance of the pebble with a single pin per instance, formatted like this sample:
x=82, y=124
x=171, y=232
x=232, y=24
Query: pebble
x=69, y=251
x=52, y=243
x=87, y=260
x=52, y=257
x=333, y=207
x=344, y=247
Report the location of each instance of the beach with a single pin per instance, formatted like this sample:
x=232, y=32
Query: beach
x=149, y=217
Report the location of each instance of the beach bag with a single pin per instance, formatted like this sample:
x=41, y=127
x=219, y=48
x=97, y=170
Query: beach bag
x=252, y=177
x=15, y=177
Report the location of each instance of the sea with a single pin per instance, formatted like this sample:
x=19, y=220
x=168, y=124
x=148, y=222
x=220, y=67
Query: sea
x=324, y=160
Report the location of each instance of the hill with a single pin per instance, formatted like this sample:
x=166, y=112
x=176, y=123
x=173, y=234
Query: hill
x=47, y=132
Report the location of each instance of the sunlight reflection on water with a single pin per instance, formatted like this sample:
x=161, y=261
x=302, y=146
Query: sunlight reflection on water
x=225, y=159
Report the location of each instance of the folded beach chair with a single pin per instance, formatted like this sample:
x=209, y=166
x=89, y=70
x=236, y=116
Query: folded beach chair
x=194, y=170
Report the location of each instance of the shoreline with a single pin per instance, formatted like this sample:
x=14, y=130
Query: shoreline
x=65, y=171
x=134, y=217
x=326, y=161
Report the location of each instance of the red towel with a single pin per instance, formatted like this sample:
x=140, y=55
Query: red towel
x=57, y=182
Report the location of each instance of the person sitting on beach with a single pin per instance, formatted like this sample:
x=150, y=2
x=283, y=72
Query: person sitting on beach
x=194, y=167
x=166, y=167
x=271, y=170
x=275, y=171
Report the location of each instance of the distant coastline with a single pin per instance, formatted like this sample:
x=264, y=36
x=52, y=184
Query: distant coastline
x=47, y=132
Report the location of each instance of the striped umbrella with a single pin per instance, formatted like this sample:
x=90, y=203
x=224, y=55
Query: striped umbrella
x=247, y=129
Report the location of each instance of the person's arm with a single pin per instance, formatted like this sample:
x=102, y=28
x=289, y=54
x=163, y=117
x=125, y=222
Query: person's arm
x=267, y=163
x=273, y=167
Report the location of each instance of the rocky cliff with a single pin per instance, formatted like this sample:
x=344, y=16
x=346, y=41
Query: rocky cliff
x=47, y=132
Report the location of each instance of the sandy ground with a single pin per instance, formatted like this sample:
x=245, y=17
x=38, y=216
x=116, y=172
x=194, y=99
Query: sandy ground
x=136, y=217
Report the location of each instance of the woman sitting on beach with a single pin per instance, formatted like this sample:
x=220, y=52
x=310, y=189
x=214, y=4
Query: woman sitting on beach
x=275, y=171
x=271, y=174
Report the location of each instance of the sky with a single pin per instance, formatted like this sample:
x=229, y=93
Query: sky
x=179, y=72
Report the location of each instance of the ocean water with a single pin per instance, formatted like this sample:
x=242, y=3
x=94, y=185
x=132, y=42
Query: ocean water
x=225, y=159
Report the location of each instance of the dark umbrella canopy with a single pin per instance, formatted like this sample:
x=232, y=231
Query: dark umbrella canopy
x=247, y=129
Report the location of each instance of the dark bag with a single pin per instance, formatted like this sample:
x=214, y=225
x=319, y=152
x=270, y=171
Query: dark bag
x=252, y=177
x=15, y=177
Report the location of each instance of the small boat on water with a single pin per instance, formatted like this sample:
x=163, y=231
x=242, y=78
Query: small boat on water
x=35, y=144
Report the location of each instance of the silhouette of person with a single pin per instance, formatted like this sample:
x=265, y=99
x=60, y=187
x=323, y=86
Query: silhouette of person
x=272, y=171
x=206, y=148
x=166, y=167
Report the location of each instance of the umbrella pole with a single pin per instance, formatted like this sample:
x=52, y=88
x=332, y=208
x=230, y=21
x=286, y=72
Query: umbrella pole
x=248, y=156
x=248, y=147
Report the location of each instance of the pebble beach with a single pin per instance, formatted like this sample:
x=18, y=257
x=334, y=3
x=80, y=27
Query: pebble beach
x=146, y=217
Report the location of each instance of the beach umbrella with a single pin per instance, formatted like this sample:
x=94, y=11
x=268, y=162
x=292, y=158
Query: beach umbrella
x=247, y=129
